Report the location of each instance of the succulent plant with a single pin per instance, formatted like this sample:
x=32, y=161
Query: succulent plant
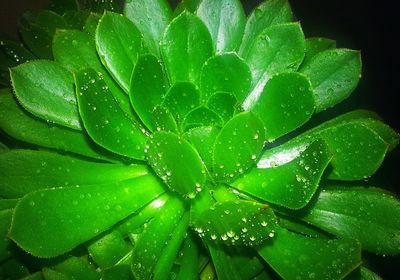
x=152, y=143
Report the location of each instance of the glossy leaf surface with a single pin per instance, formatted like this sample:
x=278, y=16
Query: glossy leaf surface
x=237, y=146
x=59, y=216
x=293, y=255
x=237, y=223
x=202, y=116
x=5, y=222
x=104, y=120
x=224, y=103
x=119, y=44
x=316, y=45
x=185, y=47
x=163, y=120
x=290, y=185
x=225, y=73
x=225, y=19
x=165, y=153
x=46, y=89
x=334, y=74
x=37, y=38
x=369, y=215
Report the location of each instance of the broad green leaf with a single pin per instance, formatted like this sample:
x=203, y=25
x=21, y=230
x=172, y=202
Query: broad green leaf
x=23, y=126
x=298, y=226
x=286, y=103
x=267, y=14
x=202, y=116
x=147, y=87
x=163, y=120
x=90, y=25
x=316, y=45
x=77, y=268
x=186, y=5
x=363, y=273
x=237, y=223
x=76, y=19
x=334, y=74
x=157, y=247
x=151, y=17
x=50, y=21
x=101, y=6
x=185, y=47
x=238, y=145
x=225, y=19
x=35, y=276
x=357, y=149
x=224, y=103
x=25, y=171
x=12, y=54
x=46, y=90
x=181, y=99
x=119, y=44
x=279, y=48
x=104, y=120
x=367, y=214
x=294, y=256
x=291, y=185
x=5, y=222
x=189, y=260
x=7, y=203
x=13, y=269
x=225, y=73
x=60, y=216
x=117, y=272
x=60, y=6
x=36, y=38
x=165, y=153
x=203, y=139
x=51, y=274
x=107, y=250
x=76, y=50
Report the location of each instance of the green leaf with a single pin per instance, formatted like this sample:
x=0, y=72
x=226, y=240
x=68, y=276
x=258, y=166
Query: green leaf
x=25, y=171
x=151, y=17
x=155, y=250
x=189, y=260
x=293, y=255
x=367, y=214
x=185, y=47
x=50, y=21
x=36, y=38
x=61, y=215
x=224, y=103
x=267, y=14
x=357, y=149
x=90, y=24
x=163, y=120
x=12, y=54
x=238, y=145
x=202, y=116
x=76, y=50
x=119, y=44
x=101, y=6
x=104, y=120
x=291, y=185
x=225, y=19
x=225, y=73
x=77, y=268
x=363, y=273
x=76, y=19
x=6, y=204
x=181, y=99
x=237, y=223
x=316, y=45
x=46, y=90
x=147, y=87
x=23, y=126
x=117, y=272
x=165, y=154
x=5, y=222
x=60, y=6
x=334, y=74
x=13, y=269
x=186, y=5
x=279, y=48
x=286, y=103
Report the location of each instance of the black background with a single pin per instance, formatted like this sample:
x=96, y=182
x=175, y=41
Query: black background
x=366, y=25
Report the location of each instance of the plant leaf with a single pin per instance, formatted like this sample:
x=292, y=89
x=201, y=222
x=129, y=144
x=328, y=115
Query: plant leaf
x=165, y=154
x=225, y=19
x=61, y=215
x=201, y=116
x=334, y=74
x=181, y=99
x=163, y=120
x=60, y=6
x=236, y=223
x=119, y=44
x=186, y=5
x=157, y=246
x=286, y=103
x=225, y=73
x=76, y=268
x=5, y=222
x=12, y=54
x=147, y=87
x=237, y=145
x=279, y=48
x=189, y=260
x=104, y=120
x=46, y=90
x=152, y=27
x=25, y=171
x=185, y=47
x=23, y=126
x=76, y=50
x=224, y=103
x=316, y=45
x=367, y=214
x=77, y=19
x=267, y=14
x=293, y=255
x=90, y=24
x=291, y=185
